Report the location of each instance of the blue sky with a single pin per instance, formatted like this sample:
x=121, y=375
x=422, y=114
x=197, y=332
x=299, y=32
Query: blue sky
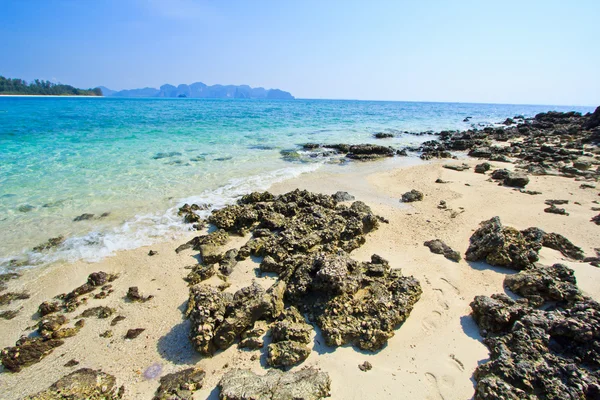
x=498, y=51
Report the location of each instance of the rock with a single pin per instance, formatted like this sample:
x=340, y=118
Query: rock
x=48, y=307
x=582, y=165
x=340, y=197
x=228, y=262
x=116, y=320
x=482, y=168
x=133, y=295
x=413, y=195
x=558, y=242
x=287, y=353
x=593, y=120
x=209, y=243
x=107, y=334
x=369, y=151
x=502, y=246
x=555, y=283
x=7, y=298
x=133, y=333
x=366, y=366
x=543, y=354
x=98, y=312
x=530, y=192
x=587, y=186
x=596, y=219
x=556, y=202
x=456, y=167
x=436, y=246
x=383, y=135
x=497, y=313
x=26, y=352
x=200, y=272
x=83, y=217
x=84, y=383
x=508, y=121
x=516, y=180
x=305, y=384
x=180, y=385
x=152, y=253
x=71, y=363
x=50, y=244
x=439, y=180
x=555, y=210
x=9, y=314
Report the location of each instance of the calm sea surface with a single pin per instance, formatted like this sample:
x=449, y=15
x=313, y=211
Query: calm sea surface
x=140, y=159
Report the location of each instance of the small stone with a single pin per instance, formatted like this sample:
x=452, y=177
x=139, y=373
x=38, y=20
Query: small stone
x=412, y=196
x=116, y=320
x=107, y=334
x=71, y=363
x=133, y=333
x=366, y=366
x=152, y=253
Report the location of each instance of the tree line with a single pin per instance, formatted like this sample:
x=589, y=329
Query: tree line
x=41, y=87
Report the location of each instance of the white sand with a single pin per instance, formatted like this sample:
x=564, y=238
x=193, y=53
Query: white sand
x=432, y=355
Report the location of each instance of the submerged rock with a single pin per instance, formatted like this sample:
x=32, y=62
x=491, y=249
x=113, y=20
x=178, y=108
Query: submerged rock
x=83, y=217
x=180, y=385
x=85, y=383
x=306, y=384
x=436, y=246
x=50, y=244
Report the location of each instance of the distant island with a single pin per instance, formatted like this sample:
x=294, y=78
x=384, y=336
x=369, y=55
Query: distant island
x=200, y=90
x=16, y=86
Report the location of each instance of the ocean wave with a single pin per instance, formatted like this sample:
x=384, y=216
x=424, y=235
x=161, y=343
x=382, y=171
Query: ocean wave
x=144, y=230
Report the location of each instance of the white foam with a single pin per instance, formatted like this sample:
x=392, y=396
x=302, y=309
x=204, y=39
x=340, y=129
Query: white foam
x=144, y=230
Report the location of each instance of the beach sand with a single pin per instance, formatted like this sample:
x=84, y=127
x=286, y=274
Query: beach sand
x=432, y=355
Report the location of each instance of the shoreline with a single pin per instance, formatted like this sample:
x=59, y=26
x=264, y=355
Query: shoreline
x=432, y=355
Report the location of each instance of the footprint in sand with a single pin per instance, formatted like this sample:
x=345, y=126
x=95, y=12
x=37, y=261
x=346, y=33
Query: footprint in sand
x=451, y=285
x=456, y=363
x=431, y=322
x=439, y=388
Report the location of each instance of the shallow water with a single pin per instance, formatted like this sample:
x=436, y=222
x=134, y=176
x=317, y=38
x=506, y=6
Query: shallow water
x=137, y=160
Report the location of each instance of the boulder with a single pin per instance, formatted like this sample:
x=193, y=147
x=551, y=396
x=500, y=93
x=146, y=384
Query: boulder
x=85, y=383
x=180, y=385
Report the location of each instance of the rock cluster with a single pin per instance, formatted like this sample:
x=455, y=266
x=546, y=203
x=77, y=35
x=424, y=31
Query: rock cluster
x=504, y=246
x=306, y=384
x=180, y=385
x=304, y=238
x=549, y=352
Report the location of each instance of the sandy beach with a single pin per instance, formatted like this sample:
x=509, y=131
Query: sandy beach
x=431, y=356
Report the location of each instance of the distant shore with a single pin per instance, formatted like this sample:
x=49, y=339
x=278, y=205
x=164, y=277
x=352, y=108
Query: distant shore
x=44, y=95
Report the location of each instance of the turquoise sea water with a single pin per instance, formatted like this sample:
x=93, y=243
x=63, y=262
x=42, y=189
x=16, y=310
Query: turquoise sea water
x=139, y=159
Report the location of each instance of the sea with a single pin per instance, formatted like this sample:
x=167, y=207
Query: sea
x=133, y=162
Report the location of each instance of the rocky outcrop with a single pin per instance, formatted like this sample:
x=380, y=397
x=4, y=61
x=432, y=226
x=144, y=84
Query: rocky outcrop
x=304, y=238
x=290, y=337
x=502, y=246
x=85, y=383
x=306, y=384
x=555, y=283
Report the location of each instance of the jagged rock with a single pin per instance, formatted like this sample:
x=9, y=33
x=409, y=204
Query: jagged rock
x=544, y=354
x=180, y=385
x=555, y=210
x=48, y=307
x=369, y=151
x=290, y=337
x=555, y=283
x=152, y=253
x=436, y=246
x=287, y=353
x=27, y=351
x=189, y=213
x=9, y=314
x=98, y=312
x=366, y=366
x=7, y=298
x=306, y=384
x=219, y=318
x=199, y=273
x=210, y=242
x=116, y=320
x=558, y=242
x=502, y=246
x=96, y=279
x=482, y=168
x=84, y=383
x=455, y=167
x=413, y=195
x=133, y=294
x=228, y=262
x=251, y=339
x=133, y=333
x=342, y=196
x=596, y=219
x=497, y=313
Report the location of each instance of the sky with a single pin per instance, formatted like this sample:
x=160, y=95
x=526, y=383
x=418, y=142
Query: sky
x=490, y=51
